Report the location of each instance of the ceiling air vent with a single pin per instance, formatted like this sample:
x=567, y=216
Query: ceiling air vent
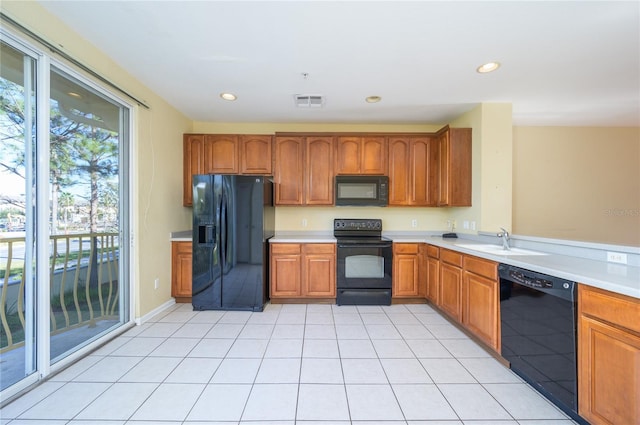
x=309, y=100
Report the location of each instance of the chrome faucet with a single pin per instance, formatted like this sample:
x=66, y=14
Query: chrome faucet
x=505, y=238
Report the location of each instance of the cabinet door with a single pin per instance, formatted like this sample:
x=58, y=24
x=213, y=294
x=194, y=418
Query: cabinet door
x=255, y=154
x=399, y=171
x=319, y=171
x=608, y=373
x=221, y=154
x=405, y=270
x=181, y=266
x=480, y=313
x=423, y=270
x=412, y=171
x=285, y=276
x=608, y=357
x=454, y=145
x=374, y=156
x=349, y=151
x=289, y=171
x=451, y=290
x=405, y=275
x=319, y=270
x=192, y=152
x=433, y=279
x=423, y=172
x=443, y=167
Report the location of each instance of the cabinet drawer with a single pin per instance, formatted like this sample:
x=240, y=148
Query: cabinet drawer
x=405, y=248
x=319, y=248
x=433, y=251
x=285, y=248
x=481, y=266
x=451, y=257
x=616, y=309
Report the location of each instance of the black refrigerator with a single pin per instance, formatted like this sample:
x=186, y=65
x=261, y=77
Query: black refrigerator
x=233, y=219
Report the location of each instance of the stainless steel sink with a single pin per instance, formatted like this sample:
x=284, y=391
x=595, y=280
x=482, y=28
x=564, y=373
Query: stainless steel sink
x=498, y=250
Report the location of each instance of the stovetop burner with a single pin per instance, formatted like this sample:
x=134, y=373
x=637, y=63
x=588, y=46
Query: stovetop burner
x=357, y=228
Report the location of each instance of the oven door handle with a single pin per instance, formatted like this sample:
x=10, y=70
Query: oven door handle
x=364, y=245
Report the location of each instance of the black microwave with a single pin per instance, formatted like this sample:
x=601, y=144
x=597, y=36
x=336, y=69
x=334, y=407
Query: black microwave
x=362, y=191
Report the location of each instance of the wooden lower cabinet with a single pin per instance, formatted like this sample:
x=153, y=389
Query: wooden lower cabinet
x=608, y=357
x=466, y=288
x=303, y=270
x=286, y=270
x=181, y=263
x=451, y=283
x=433, y=274
x=406, y=265
x=480, y=300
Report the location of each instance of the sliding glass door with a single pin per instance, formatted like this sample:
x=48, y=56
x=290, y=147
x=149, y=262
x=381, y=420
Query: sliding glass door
x=17, y=222
x=86, y=136
x=63, y=214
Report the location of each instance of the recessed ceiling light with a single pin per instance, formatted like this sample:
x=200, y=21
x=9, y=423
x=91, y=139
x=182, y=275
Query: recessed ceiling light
x=488, y=67
x=228, y=96
x=373, y=99
x=74, y=94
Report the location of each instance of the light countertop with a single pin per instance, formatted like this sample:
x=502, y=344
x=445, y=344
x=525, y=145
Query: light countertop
x=182, y=236
x=618, y=278
x=303, y=237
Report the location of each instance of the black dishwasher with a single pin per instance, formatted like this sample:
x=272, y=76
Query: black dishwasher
x=538, y=331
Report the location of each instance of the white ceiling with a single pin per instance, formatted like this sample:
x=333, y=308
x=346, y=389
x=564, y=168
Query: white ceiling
x=563, y=63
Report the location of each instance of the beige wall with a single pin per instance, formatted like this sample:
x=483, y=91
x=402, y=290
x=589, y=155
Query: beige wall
x=156, y=153
x=491, y=168
x=577, y=183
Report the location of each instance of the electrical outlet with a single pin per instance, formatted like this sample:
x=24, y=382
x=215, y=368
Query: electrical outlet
x=473, y=225
x=414, y=223
x=617, y=257
x=304, y=222
x=156, y=283
x=465, y=224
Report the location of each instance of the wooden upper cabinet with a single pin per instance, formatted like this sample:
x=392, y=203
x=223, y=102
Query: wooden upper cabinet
x=413, y=165
x=319, y=170
x=255, y=154
x=221, y=154
x=193, y=148
x=289, y=171
x=304, y=170
x=374, y=156
x=361, y=155
x=399, y=173
x=454, y=149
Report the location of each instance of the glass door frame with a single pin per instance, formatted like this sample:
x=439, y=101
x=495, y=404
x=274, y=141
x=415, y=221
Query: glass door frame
x=39, y=224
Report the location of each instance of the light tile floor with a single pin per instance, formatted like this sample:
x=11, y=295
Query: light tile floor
x=401, y=365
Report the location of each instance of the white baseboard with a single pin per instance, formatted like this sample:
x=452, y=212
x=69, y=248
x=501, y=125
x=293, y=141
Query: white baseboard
x=147, y=317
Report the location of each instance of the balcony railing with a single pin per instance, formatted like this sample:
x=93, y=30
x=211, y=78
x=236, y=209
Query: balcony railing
x=83, y=284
